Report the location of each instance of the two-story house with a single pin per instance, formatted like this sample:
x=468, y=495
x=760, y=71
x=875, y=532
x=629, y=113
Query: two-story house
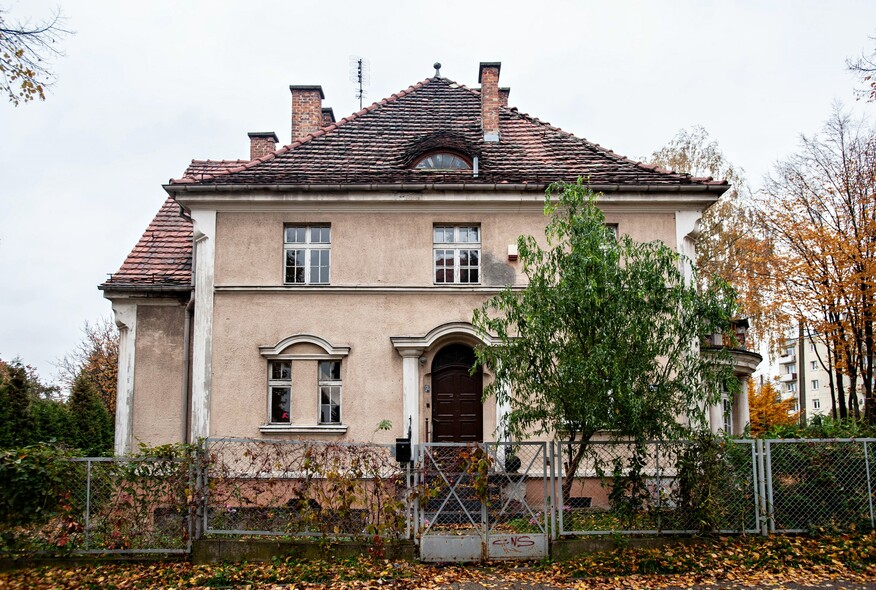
x=314, y=290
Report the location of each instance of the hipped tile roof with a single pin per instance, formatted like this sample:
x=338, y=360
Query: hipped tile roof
x=378, y=145
x=162, y=257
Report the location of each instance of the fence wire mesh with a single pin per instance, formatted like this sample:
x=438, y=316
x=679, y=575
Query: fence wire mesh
x=339, y=490
x=657, y=487
x=483, y=488
x=112, y=505
x=820, y=485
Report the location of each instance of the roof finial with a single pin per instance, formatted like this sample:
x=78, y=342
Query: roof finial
x=437, y=66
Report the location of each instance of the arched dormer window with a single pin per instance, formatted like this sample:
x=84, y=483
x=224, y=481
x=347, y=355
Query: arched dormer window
x=442, y=161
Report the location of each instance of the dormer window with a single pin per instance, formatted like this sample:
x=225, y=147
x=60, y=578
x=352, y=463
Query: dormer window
x=442, y=161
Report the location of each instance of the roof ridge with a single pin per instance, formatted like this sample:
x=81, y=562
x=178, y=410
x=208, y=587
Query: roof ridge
x=247, y=164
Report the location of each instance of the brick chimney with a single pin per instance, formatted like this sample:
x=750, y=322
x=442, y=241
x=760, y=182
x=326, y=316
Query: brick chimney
x=306, y=110
x=503, y=96
x=328, y=117
x=488, y=77
x=262, y=143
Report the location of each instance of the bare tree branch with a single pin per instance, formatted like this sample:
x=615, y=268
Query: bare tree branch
x=25, y=49
x=864, y=67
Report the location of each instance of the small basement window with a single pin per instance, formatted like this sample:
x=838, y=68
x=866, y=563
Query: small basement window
x=442, y=161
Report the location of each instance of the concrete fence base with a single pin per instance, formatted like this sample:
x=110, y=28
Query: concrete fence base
x=217, y=550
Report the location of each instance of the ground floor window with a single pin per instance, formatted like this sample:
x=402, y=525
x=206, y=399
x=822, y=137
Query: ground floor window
x=280, y=391
x=330, y=392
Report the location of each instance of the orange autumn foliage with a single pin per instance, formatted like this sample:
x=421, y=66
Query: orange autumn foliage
x=766, y=408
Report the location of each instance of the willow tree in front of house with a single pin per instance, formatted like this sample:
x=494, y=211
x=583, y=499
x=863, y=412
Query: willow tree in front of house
x=606, y=336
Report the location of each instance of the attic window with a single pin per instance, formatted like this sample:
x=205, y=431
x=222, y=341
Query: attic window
x=442, y=161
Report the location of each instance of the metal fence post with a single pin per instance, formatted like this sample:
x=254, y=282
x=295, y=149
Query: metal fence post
x=761, y=485
x=869, y=484
x=561, y=502
x=659, y=489
x=87, y=504
x=771, y=507
x=555, y=506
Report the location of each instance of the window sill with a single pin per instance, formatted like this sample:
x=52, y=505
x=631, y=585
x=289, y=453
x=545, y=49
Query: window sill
x=309, y=429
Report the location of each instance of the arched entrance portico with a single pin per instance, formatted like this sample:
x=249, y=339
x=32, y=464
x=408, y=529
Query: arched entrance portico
x=457, y=409
x=416, y=351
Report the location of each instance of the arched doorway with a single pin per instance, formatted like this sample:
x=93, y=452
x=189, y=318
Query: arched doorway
x=457, y=410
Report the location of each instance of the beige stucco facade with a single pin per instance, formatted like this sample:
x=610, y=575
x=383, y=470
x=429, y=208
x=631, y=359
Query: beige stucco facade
x=380, y=306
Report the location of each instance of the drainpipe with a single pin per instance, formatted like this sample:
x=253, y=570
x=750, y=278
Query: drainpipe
x=187, y=361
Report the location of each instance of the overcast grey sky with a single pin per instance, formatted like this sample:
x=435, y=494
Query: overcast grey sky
x=147, y=86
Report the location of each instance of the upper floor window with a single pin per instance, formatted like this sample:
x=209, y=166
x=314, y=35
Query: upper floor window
x=442, y=161
x=815, y=384
x=457, y=254
x=308, y=254
x=814, y=365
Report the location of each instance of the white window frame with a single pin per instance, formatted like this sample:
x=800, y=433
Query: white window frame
x=727, y=405
x=310, y=249
x=815, y=384
x=813, y=365
x=279, y=383
x=456, y=246
x=330, y=383
x=816, y=404
x=283, y=351
x=791, y=387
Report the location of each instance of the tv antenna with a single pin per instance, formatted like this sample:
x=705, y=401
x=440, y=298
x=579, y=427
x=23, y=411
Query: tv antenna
x=360, y=73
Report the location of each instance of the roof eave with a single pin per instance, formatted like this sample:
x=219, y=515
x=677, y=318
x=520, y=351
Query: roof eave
x=128, y=288
x=174, y=189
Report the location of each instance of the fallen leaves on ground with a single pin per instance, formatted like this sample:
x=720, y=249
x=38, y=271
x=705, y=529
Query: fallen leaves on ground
x=726, y=562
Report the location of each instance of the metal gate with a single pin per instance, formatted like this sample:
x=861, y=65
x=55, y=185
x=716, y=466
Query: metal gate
x=482, y=501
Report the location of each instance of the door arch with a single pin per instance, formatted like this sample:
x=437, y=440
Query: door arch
x=457, y=409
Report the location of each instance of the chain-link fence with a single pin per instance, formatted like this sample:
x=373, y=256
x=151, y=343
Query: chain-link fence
x=820, y=485
x=111, y=505
x=294, y=488
x=657, y=487
x=502, y=491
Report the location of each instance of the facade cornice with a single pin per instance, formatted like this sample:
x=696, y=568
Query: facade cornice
x=409, y=202
x=358, y=289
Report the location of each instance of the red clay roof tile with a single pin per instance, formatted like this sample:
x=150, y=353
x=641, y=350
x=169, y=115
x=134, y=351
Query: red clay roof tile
x=162, y=257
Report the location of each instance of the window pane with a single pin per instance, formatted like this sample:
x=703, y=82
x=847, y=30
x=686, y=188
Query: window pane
x=319, y=266
x=281, y=371
x=469, y=235
x=295, y=266
x=295, y=235
x=320, y=235
x=443, y=235
x=330, y=370
x=280, y=404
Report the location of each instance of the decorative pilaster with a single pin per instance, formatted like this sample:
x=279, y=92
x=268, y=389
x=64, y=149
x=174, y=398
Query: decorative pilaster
x=503, y=408
x=411, y=391
x=202, y=337
x=126, y=320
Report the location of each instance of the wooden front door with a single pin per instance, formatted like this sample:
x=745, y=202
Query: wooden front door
x=457, y=410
